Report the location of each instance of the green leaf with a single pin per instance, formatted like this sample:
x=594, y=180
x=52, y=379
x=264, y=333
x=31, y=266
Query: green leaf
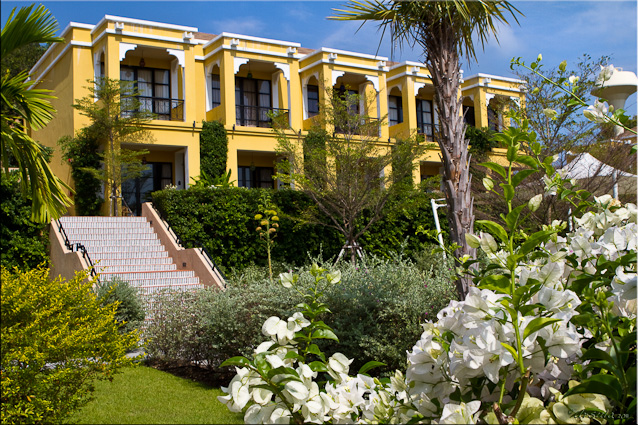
x=498, y=283
x=520, y=176
x=325, y=334
x=495, y=229
x=527, y=160
x=314, y=349
x=508, y=191
x=236, y=361
x=318, y=366
x=510, y=349
x=607, y=385
x=534, y=240
x=512, y=217
x=537, y=324
x=282, y=370
x=499, y=169
x=370, y=365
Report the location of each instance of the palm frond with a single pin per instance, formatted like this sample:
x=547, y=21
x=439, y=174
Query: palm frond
x=28, y=26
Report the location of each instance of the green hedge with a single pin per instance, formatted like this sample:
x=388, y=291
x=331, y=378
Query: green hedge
x=222, y=220
x=377, y=311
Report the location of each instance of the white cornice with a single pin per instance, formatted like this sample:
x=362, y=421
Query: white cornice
x=111, y=18
x=493, y=87
x=511, y=80
x=149, y=36
x=345, y=65
x=251, y=38
x=343, y=52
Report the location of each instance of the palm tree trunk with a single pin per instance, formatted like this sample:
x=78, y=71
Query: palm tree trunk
x=443, y=64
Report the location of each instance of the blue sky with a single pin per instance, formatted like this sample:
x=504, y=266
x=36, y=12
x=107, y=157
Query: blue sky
x=560, y=30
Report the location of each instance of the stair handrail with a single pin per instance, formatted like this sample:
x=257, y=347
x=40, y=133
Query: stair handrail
x=78, y=247
x=212, y=265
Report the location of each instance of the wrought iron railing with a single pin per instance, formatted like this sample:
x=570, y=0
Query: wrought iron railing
x=162, y=108
x=366, y=126
x=257, y=116
x=429, y=130
x=211, y=263
x=78, y=247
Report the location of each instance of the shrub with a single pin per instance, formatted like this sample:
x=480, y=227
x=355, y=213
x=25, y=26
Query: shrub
x=373, y=315
x=56, y=339
x=24, y=243
x=213, y=148
x=130, y=311
x=81, y=152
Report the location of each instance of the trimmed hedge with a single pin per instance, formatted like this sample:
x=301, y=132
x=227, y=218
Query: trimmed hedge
x=222, y=220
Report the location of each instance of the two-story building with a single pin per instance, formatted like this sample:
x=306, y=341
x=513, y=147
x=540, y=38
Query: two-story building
x=186, y=77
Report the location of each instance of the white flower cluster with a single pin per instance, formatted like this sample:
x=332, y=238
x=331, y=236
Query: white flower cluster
x=472, y=339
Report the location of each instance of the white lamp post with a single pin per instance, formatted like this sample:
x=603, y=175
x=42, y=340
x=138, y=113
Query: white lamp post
x=618, y=88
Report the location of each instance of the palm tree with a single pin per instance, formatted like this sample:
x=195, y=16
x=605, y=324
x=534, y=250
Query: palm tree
x=445, y=31
x=24, y=108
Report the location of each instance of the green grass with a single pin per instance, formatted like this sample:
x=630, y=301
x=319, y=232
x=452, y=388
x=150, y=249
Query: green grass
x=146, y=395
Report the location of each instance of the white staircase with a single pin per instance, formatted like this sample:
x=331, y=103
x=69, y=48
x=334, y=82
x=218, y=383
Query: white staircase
x=129, y=249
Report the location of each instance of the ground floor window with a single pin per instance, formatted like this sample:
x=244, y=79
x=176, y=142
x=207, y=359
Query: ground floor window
x=136, y=191
x=256, y=177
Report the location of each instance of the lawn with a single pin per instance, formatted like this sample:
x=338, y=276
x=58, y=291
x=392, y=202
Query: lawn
x=146, y=395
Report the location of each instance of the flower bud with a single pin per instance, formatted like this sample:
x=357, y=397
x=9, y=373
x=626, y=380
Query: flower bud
x=274, y=218
x=535, y=202
x=488, y=183
x=264, y=222
x=258, y=217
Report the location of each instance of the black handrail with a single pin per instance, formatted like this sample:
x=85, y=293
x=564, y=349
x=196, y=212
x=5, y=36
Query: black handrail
x=163, y=108
x=256, y=116
x=202, y=248
x=78, y=247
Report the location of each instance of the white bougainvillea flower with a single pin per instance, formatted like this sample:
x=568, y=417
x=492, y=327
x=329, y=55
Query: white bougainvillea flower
x=488, y=243
x=464, y=413
x=339, y=363
x=605, y=74
x=597, y=112
x=573, y=79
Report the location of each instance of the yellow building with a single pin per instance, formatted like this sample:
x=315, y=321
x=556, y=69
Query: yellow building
x=187, y=77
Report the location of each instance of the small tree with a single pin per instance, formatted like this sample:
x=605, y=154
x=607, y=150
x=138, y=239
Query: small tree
x=116, y=118
x=344, y=167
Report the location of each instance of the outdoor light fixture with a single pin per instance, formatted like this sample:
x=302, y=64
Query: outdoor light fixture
x=142, y=63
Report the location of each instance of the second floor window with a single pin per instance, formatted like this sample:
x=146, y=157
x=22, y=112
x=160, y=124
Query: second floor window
x=216, y=95
x=253, y=102
x=313, y=100
x=395, y=110
x=424, y=116
x=153, y=87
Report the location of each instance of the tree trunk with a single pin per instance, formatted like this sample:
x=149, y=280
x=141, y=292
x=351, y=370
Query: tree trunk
x=443, y=63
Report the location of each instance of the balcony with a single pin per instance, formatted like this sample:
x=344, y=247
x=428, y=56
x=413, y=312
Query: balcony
x=161, y=108
x=258, y=116
x=364, y=126
x=428, y=130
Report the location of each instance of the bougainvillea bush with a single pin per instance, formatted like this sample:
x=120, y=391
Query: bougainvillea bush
x=547, y=334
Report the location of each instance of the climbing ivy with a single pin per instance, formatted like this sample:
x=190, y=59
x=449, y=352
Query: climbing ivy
x=213, y=148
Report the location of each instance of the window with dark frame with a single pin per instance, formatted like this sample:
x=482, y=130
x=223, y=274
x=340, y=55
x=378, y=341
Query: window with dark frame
x=256, y=177
x=395, y=110
x=313, y=100
x=253, y=102
x=424, y=116
x=216, y=91
x=153, y=87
